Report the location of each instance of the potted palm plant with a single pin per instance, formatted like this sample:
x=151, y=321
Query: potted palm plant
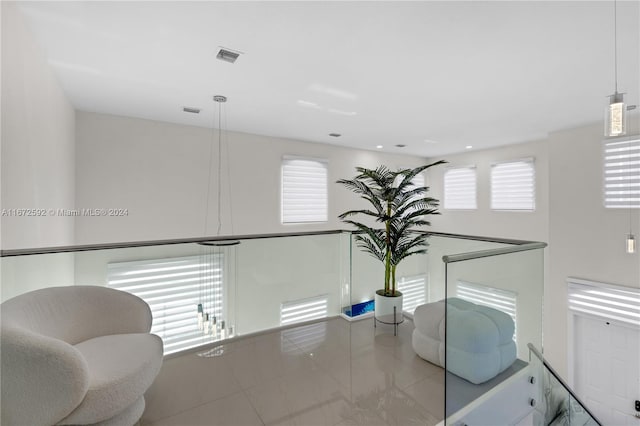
x=398, y=208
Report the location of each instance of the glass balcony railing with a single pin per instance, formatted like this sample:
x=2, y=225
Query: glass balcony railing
x=493, y=308
x=476, y=305
x=557, y=404
x=202, y=291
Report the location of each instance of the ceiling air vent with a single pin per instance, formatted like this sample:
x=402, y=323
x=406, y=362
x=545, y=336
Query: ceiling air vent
x=191, y=110
x=227, y=55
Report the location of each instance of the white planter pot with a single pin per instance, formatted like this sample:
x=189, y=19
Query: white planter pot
x=384, y=307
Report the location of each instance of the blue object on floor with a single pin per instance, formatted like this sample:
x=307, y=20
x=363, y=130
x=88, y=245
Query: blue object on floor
x=359, y=308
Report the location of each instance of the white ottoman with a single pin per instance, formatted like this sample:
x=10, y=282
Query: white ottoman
x=480, y=339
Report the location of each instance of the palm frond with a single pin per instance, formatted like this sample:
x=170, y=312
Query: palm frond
x=369, y=246
x=355, y=212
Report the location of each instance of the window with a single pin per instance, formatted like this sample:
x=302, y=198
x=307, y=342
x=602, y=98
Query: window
x=304, y=310
x=460, y=188
x=502, y=300
x=414, y=292
x=173, y=288
x=418, y=180
x=605, y=300
x=513, y=185
x=304, y=190
x=622, y=173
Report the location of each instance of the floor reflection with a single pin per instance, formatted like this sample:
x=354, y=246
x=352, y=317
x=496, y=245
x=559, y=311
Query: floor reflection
x=333, y=373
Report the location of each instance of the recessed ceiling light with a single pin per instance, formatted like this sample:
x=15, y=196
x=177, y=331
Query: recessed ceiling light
x=400, y=145
x=191, y=110
x=468, y=147
x=335, y=135
x=379, y=146
x=227, y=55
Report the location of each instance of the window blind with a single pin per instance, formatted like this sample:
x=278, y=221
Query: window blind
x=621, y=165
x=173, y=288
x=605, y=300
x=500, y=299
x=417, y=181
x=513, y=185
x=304, y=190
x=460, y=188
x=414, y=292
x=304, y=309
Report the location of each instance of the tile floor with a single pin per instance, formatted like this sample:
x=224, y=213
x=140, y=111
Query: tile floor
x=333, y=373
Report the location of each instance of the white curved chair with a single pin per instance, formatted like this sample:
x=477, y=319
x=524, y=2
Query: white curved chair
x=76, y=355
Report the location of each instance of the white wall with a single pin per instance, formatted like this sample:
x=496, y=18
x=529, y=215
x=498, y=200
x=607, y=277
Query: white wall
x=38, y=152
x=586, y=240
x=37, y=161
x=484, y=221
x=158, y=172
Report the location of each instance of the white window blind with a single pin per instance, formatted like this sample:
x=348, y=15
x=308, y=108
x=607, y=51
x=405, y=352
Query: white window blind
x=416, y=182
x=173, y=288
x=605, y=300
x=497, y=298
x=460, y=188
x=622, y=173
x=304, y=190
x=414, y=292
x=513, y=185
x=304, y=309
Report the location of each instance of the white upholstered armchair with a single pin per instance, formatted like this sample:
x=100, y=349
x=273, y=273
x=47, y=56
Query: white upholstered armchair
x=76, y=355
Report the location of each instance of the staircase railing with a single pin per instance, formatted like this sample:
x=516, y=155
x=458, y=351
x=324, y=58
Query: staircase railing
x=568, y=406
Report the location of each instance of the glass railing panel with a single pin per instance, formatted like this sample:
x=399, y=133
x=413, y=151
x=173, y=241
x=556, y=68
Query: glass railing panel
x=420, y=278
x=440, y=246
x=20, y=274
x=367, y=276
x=202, y=293
x=287, y=280
x=190, y=287
x=493, y=311
x=557, y=404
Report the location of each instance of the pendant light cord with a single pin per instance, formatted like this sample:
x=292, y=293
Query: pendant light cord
x=206, y=209
x=615, y=43
x=219, y=186
x=219, y=168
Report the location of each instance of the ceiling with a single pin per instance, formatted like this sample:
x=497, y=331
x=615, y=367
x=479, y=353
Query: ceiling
x=436, y=76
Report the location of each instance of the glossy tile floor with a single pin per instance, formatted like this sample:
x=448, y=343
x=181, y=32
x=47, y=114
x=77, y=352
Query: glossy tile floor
x=328, y=373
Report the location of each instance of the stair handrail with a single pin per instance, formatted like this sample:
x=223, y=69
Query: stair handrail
x=538, y=354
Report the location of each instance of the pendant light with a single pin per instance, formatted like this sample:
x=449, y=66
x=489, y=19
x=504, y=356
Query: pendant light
x=217, y=257
x=631, y=243
x=615, y=122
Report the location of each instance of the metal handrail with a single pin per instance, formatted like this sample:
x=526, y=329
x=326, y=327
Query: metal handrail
x=538, y=354
x=451, y=258
x=132, y=244
x=516, y=245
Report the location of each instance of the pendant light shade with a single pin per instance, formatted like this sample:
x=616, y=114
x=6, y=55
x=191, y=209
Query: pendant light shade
x=631, y=244
x=615, y=121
